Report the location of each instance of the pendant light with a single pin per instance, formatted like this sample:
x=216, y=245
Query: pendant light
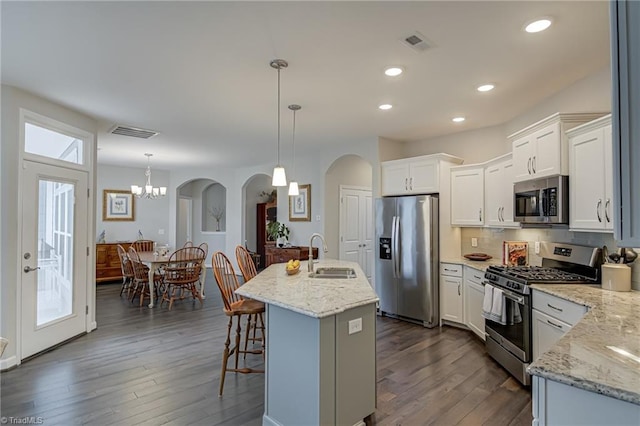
x=148, y=190
x=293, y=185
x=279, y=176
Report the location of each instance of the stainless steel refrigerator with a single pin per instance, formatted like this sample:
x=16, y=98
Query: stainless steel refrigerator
x=407, y=258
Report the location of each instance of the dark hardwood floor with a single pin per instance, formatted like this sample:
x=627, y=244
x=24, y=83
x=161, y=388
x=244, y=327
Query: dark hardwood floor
x=154, y=366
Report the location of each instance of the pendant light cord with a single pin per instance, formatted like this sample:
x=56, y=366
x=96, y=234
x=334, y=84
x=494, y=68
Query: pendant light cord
x=293, y=147
x=278, y=116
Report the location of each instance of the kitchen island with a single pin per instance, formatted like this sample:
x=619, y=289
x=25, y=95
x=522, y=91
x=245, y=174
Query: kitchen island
x=592, y=374
x=320, y=357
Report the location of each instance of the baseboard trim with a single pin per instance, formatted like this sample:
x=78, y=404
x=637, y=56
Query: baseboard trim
x=8, y=363
x=268, y=421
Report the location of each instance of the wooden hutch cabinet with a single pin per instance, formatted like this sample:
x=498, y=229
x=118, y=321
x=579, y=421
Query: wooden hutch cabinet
x=265, y=213
x=108, y=262
x=274, y=254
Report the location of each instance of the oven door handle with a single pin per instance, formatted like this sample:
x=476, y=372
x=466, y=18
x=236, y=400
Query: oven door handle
x=508, y=294
x=518, y=299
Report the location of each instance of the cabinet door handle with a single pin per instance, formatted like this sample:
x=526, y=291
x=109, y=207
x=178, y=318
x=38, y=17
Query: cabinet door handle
x=554, y=324
x=480, y=214
x=459, y=290
x=533, y=164
x=553, y=307
x=598, y=209
x=477, y=277
x=411, y=183
x=449, y=270
x=606, y=210
x=406, y=184
x=529, y=165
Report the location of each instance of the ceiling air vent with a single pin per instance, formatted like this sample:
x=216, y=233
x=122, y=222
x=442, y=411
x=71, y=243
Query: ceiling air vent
x=416, y=41
x=133, y=132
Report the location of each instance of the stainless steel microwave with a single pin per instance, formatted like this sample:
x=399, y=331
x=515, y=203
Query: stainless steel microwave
x=542, y=201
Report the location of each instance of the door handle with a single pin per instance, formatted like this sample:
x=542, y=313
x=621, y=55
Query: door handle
x=459, y=290
x=411, y=183
x=598, y=209
x=480, y=215
x=606, y=210
x=29, y=269
x=533, y=164
x=529, y=165
x=406, y=184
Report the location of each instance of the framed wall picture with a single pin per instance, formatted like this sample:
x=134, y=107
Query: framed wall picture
x=118, y=205
x=300, y=205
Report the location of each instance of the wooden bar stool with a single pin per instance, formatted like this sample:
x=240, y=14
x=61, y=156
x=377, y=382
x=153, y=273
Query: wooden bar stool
x=235, y=307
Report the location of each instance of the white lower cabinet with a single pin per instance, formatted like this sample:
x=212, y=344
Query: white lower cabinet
x=552, y=318
x=451, y=298
x=555, y=403
x=473, y=298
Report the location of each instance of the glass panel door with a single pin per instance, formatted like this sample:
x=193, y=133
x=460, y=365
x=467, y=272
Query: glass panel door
x=54, y=244
x=55, y=251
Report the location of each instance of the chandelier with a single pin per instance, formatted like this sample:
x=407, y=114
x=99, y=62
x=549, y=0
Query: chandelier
x=148, y=190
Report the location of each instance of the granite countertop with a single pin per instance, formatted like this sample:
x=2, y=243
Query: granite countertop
x=480, y=265
x=601, y=353
x=315, y=297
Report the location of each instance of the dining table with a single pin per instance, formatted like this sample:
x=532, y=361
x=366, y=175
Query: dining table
x=154, y=261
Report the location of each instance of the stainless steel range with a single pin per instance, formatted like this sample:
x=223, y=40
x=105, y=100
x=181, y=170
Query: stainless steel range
x=510, y=344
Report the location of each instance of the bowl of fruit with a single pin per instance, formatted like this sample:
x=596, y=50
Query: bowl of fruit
x=293, y=267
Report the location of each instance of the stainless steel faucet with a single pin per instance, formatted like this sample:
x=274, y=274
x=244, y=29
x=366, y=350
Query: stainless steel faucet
x=324, y=247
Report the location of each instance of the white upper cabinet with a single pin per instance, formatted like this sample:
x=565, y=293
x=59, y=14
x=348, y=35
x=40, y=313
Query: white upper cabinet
x=417, y=175
x=591, y=176
x=541, y=149
x=467, y=195
x=625, y=79
x=498, y=193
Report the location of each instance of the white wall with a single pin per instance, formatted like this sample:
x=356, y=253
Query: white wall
x=12, y=100
x=151, y=216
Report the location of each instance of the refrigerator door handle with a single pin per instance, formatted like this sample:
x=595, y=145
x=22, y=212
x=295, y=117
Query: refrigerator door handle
x=393, y=245
x=397, y=250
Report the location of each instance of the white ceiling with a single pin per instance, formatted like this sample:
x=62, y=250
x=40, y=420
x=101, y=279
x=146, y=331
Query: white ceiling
x=199, y=72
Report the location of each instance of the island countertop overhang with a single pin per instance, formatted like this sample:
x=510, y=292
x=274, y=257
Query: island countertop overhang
x=314, y=297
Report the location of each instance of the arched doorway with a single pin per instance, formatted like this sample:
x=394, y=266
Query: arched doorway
x=256, y=190
x=349, y=176
x=201, y=213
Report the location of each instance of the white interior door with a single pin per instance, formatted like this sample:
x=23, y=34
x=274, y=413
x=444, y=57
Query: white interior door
x=54, y=256
x=356, y=228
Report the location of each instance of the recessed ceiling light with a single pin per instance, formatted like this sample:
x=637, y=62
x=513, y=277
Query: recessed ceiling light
x=385, y=106
x=457, y=119
x=485, y=87
x=393, y=71
x=538, y=25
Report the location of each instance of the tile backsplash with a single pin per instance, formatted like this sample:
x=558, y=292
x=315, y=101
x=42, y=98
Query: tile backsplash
x=490, y=242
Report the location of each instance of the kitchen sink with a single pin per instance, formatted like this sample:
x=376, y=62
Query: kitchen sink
x=333, y=273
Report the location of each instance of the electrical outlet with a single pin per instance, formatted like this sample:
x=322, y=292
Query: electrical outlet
x=160, y=231
x=317, y=218
x=536, y=246
x=355, y=326
x=474, y=242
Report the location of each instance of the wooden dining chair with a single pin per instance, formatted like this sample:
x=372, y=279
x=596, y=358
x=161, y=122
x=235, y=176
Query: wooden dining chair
x=234, y=306
x=245, y=262
x=143, y=245
x=141, y=277
x=188, y=244
x=181, y=274
x=127, y=270
x=248, y=270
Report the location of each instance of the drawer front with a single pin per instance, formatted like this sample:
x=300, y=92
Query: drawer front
x=559, y=308
x=451, y=269
x=473, y=275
